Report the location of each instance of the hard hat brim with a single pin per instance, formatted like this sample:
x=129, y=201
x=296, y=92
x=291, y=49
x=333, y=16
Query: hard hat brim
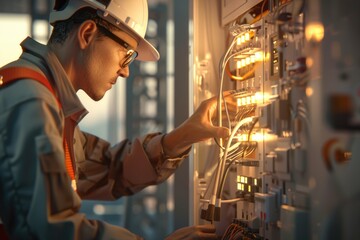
x=146, y=51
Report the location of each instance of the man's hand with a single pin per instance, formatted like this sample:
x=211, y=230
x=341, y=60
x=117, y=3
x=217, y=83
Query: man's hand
x=194, y=233
x=198, y=127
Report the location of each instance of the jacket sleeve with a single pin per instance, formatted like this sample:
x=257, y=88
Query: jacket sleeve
x=36, y=198
x=107, y=172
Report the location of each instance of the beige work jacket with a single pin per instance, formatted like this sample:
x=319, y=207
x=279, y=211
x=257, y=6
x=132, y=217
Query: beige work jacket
x=36, y=197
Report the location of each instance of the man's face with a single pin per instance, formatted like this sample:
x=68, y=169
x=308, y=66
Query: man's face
x=101, y=63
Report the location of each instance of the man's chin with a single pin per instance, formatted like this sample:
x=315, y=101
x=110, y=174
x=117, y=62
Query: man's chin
x=97, y=97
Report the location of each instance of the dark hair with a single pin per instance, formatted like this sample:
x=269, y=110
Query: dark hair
x=62, y=29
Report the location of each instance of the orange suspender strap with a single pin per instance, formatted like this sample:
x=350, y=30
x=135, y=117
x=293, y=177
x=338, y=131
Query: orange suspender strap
x=68, y=162
x=15, y=73
x=11, y=74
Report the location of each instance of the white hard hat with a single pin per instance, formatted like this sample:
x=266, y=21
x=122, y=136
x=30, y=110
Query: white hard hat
x=128, y=15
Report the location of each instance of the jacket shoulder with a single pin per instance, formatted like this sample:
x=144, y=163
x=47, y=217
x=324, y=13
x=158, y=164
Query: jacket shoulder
x=23, y=90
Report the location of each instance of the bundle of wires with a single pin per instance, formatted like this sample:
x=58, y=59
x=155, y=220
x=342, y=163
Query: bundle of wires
x=236, y=231
x=229, y=151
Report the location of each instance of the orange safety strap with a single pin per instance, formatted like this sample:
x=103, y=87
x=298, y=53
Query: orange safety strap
x=11, y=74
x=68, y=162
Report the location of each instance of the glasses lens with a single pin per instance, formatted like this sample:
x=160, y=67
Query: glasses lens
x=129, y=58
x=130, y=55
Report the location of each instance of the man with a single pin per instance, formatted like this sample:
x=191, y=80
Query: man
x=42, y=151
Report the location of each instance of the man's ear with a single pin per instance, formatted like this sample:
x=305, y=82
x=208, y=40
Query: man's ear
x=86, y=33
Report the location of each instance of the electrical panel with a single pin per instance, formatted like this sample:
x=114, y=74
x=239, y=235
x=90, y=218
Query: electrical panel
x=287, y=169
x=231, y=9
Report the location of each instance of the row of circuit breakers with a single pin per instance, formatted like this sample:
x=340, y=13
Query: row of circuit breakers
x=261, y=172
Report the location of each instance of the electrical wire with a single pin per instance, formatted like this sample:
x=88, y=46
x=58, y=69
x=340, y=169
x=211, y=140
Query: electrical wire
x=243, y=77
x=229, y=150
x=252, y=128
x=223, y=160
x=219, y=104
x=262, y=8
x=228, y=231
x=246, y=152
x=225, y=200
x=233, y=157
x=277, y=12
x=252, y=70
x=224, y=151
x=227, y=113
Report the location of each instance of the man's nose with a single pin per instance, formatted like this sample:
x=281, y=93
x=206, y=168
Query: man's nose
x=124, y=72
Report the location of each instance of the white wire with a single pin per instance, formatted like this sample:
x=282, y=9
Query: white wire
x=214, y=198
x=224, y=200
x=223, y=152
x=234, y=147
x=236, y=128
x=219, y=103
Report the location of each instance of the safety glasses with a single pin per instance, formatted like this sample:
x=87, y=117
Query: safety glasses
x=130, y=54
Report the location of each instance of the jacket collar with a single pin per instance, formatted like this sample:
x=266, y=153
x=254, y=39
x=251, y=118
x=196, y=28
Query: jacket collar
x=46, y=60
